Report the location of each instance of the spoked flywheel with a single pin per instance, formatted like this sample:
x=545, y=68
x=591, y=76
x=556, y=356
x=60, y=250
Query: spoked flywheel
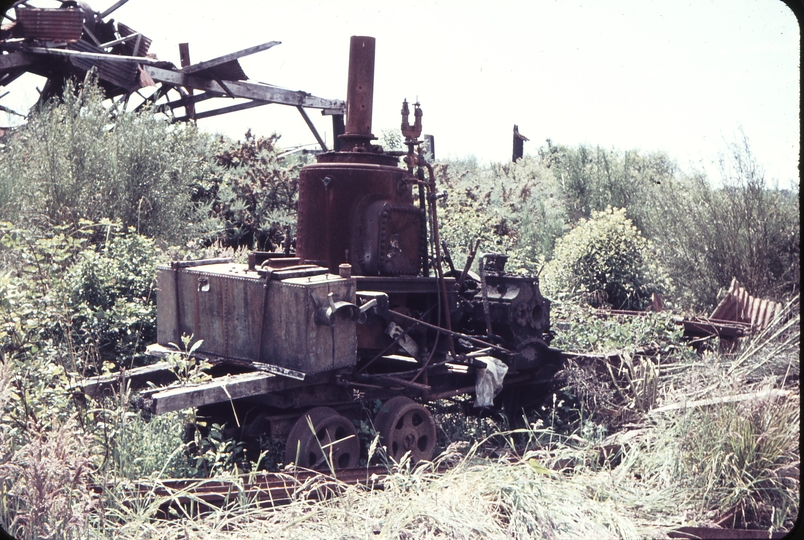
x=406, y=426
x=333, y=440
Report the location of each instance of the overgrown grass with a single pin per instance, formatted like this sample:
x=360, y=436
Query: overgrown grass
x=680, y=462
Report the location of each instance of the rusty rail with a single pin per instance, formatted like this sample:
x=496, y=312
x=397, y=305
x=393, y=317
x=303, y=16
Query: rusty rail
x=195, y=497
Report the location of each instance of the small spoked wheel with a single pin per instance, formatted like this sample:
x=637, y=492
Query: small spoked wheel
x=332, y=441
x=406, y=426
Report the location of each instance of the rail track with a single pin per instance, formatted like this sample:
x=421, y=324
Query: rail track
x=192, y=498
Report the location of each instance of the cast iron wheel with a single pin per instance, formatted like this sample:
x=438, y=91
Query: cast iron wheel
x=405, y=426
x=334, y=441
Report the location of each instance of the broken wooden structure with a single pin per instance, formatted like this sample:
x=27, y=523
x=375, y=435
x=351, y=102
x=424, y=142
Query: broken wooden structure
x=69, y=41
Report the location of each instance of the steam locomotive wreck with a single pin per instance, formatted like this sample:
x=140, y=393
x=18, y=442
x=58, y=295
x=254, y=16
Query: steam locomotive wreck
x=300, y=342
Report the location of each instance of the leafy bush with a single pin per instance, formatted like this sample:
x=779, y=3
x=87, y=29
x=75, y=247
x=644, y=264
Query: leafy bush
x=84, y=293
x=110, y=287
x=75, y=159
x=256, y=196
x=606, y=253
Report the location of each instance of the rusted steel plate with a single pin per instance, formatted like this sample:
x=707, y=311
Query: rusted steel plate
x=740, y=306
x=134, y=47
x=340, y=207
x=49, y=24
x=123, y=74
x=240, y=316
x=710, y=327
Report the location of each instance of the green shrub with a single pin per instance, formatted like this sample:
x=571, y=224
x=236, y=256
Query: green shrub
x=256, y=195
x=745, y=229
x=74, y=160
x=606, y=253
x=86, y=293
x=110, y=290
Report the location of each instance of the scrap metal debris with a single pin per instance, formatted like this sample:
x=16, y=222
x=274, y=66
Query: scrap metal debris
x=66, y=42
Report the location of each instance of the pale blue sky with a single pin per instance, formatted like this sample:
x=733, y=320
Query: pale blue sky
x=682, y=77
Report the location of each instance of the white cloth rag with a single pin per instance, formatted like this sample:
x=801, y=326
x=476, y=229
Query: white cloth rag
x=489, y=381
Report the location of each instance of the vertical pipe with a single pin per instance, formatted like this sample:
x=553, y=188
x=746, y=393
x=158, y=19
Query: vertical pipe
x=360, y=92
x=337, y=130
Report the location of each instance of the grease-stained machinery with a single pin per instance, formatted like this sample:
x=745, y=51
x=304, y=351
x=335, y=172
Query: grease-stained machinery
x=361, y=312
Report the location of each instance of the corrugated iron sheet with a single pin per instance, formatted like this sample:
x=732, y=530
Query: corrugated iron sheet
x=123, y=74
x=740, y=306
x=230, y=71
x=130, y=45
x=50, y=24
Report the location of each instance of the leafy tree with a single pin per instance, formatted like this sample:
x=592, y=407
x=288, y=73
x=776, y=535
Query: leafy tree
x=746, y=229
x=592, y=179
x=606, y=253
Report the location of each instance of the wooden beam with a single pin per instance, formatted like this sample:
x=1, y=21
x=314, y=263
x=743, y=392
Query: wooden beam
x=228, y=57
x=218, y=390
x=185, y=100
x=92, y=56
x=222, y=110
x=111, y=9
x=95, y=387
x=312, y=128
x=247, y=90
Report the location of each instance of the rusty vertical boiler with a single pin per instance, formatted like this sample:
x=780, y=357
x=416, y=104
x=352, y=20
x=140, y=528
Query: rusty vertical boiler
x=356, y=205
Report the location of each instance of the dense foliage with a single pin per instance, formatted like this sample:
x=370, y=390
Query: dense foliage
x=606, y=256
x=92, y=198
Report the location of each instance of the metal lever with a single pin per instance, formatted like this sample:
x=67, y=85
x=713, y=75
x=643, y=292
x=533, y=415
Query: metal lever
x=326, y=315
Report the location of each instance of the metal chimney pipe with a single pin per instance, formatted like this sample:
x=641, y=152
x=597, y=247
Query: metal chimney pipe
x=360, y=93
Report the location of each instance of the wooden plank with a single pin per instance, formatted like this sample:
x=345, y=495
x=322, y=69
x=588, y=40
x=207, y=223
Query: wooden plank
x=312, y=128
x=228, y=57
x=92, y=56
x=187, y=100
x=222, y=110
x=161, y=352
x=218, y=390
x=247, y=90
x=111, y=9
x=720, y=400
x=95, y=387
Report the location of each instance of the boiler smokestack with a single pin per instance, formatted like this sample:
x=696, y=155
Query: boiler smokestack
x=360, y=93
